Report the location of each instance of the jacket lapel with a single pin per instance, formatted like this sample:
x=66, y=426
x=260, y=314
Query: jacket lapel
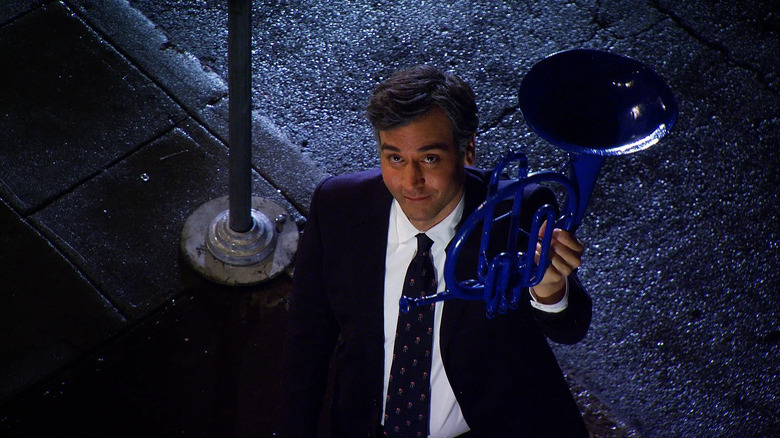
x=475, y=192
x=371, y=279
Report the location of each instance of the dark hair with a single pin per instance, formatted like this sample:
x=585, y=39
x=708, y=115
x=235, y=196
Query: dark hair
x=411, y=93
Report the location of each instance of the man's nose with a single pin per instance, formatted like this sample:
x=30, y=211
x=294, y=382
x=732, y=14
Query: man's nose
x=413, y=175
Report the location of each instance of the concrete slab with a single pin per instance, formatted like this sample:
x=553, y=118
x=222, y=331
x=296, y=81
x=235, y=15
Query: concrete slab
x=181, y=75
x=13, y=9
x=202, y=93
x=49, y=313
x=55, y=132
x=190, y=370
x=122, y=228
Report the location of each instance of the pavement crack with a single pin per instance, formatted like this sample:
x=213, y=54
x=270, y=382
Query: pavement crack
x=97, y=171
x=599, y=18
x=717, y=46
x=214, y=100
x=605, y=17
x=714, y=45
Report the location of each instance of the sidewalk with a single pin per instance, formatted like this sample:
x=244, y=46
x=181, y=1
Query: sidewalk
x=110, y=140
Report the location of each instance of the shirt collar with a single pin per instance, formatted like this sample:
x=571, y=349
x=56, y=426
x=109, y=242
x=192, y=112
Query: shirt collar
x=440, y=233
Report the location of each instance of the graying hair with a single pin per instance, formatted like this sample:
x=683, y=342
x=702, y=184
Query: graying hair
x=411, y=93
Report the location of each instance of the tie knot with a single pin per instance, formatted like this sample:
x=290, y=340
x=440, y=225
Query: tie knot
x=424, y=243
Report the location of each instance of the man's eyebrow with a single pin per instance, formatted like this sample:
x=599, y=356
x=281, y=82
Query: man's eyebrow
x=389, y=147
x=425, y=148
x=434, y=146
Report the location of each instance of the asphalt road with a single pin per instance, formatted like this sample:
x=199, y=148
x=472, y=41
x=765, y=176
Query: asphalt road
x=683, y=239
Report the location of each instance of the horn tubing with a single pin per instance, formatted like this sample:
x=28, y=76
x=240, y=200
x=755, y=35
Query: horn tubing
x=512, y=270
x=578, y=101
x=585, y=169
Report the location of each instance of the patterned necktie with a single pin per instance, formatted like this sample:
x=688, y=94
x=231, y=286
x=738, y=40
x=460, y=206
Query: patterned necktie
x=408, y=392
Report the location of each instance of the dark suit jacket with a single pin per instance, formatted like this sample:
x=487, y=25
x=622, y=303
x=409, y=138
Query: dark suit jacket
x=503, y=373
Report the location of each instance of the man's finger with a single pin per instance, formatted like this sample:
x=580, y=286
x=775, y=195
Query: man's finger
x=571, y=256
x=566, y=238
x=543, y=228
x=564, y=265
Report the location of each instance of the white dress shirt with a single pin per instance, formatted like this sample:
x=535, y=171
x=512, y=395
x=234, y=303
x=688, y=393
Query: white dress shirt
x=446, y=418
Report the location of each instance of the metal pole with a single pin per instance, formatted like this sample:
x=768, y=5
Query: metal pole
x=240, y=113
x=239, y=239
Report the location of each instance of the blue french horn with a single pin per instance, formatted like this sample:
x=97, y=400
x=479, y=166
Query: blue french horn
x=593, y=105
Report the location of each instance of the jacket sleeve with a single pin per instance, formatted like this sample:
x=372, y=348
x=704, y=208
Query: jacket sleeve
x=310, y=338
x=570, y=325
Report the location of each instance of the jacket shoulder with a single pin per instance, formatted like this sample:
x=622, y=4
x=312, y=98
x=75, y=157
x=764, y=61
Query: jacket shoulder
x=350, y=196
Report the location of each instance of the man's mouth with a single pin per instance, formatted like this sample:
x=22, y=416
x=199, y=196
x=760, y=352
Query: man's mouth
x=416, y=198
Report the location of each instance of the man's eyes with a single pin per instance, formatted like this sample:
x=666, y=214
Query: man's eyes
x=428, y=159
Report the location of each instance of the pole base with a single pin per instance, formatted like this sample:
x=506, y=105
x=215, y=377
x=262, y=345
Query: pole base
x=231, y=258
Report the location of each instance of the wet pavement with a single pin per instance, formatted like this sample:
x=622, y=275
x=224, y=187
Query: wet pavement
x=203, y=365
x=106, y=331
x=113, y=129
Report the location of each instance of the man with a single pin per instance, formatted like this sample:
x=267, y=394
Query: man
x=479, y=377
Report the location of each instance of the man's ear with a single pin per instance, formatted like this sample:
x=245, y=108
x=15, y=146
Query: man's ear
x=471, y=152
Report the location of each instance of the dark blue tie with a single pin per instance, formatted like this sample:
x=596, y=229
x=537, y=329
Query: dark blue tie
x=408, y=393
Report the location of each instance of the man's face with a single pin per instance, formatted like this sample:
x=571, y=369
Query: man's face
x=422, y=169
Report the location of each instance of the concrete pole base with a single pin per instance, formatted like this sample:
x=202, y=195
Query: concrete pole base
x=231, y=258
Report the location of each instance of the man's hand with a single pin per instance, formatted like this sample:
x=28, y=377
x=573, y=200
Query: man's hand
x=565, y=255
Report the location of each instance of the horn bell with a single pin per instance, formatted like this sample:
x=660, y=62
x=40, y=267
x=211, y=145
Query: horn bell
x=597, y=103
